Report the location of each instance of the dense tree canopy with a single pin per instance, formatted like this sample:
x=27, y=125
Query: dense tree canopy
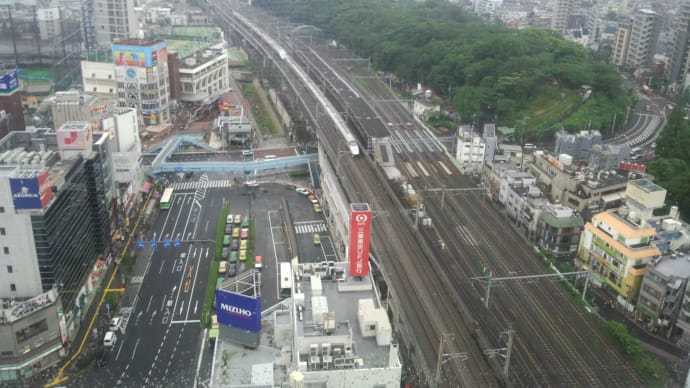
x=528, y=78
x=671, y=168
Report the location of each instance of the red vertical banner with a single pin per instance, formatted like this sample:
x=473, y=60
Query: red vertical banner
x=44, y=189
x=360, y=231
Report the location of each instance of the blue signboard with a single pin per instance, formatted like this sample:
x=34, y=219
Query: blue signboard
x=153, y=243
x=140, y=243
x=9, y=82
x=177, y=243
x=178, y=169
x=166, y=243
x=237, y=310
x=25, y=193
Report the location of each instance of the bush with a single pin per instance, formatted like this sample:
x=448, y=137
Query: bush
x=650, y=369
x=213, y=270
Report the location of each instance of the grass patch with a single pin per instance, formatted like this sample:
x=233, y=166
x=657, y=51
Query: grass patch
x=250, y=246
x=547, y=112
x=213, y=271
x=298, y=173
x=651, y=370
x=261, y=111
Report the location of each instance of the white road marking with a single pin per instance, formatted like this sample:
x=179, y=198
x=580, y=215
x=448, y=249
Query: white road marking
x=135, y=349
x=148, y=307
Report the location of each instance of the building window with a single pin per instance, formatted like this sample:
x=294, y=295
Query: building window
x=9, y=269
x=2, y=232
x=93, y=75
x=2, y=209
x=6, y=250
x=13, y=287
x=110, y=76
x=111, y=90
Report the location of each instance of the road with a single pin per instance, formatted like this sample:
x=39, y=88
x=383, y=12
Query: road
x=556, y=342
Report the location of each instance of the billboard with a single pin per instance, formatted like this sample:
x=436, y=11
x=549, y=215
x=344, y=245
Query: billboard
x=9, y=82
x=139, y=56
x=360, y=231
x=632, y=167
x=75, y=139
x=237, y=310
x=31, y=192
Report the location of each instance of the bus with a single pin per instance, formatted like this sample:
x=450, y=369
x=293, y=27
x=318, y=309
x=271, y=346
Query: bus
x=285, y=280
x=166, y=199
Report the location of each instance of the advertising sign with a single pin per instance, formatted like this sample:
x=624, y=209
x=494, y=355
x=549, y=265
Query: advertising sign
x=237, y=310
x=139, y=56
x=360, y=231
x=44, y=189
x=632, y=166
x=9, y=82
x=72, y=140
x=25, y=193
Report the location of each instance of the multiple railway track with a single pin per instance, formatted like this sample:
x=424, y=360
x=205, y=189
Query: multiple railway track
x=429, y=270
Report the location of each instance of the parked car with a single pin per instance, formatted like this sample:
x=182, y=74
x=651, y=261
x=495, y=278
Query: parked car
x=302, y=191
x=115, y=324
x=225, y=253
x=235, y=244
x=228, y=228
x=317, y=208
x=110, y=339
x=222, y=267
x=232, y=270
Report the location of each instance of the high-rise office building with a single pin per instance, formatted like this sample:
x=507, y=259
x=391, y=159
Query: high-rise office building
x=105, y=21
x=643, y=36
x=56, y=196
x=677, y=71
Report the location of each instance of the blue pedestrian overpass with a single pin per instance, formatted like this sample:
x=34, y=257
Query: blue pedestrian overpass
x=164, y=150
x=234, y=166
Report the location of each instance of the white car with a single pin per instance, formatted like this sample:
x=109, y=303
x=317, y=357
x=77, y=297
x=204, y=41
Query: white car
x=110, y=339
x=252, y=183
x=302, y=191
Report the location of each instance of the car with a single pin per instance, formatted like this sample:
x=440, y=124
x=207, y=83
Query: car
x=243, y=244
x=647, y=108
x=243, y=255
x=222, y=267
x=251, y=183
x=244, y=234
x=229, y=219
x=238, y=219
x=258, y=262
x=317, y=208
x=312, y=199
x=235, y=232
x=302, y=190
x=226, y=240
x=115, y=324
x=110, y=339
x=317, y=239
x=232, y=270
x=247, y=153
x=228, y=228
x=225, y=253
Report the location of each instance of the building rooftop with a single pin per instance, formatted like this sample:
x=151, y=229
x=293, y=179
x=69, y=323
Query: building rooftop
x=339, y=325
x=647, y=185
x=676, y=264
x=138, y=42
x=28, y=153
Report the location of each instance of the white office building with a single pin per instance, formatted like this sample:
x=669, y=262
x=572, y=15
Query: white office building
x=205, y=74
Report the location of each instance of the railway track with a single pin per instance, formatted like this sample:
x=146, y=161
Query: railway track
x=556, y=343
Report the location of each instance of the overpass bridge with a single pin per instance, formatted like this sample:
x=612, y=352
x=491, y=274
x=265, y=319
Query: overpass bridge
x=163, y=151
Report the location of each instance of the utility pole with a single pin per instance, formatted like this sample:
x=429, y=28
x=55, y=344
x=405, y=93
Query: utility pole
x=445, y=357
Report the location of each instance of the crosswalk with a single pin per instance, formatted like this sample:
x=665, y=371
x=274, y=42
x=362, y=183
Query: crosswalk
x=316, y=227
x=188, y=186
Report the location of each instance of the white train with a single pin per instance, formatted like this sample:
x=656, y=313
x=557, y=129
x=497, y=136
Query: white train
x=352, y=144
